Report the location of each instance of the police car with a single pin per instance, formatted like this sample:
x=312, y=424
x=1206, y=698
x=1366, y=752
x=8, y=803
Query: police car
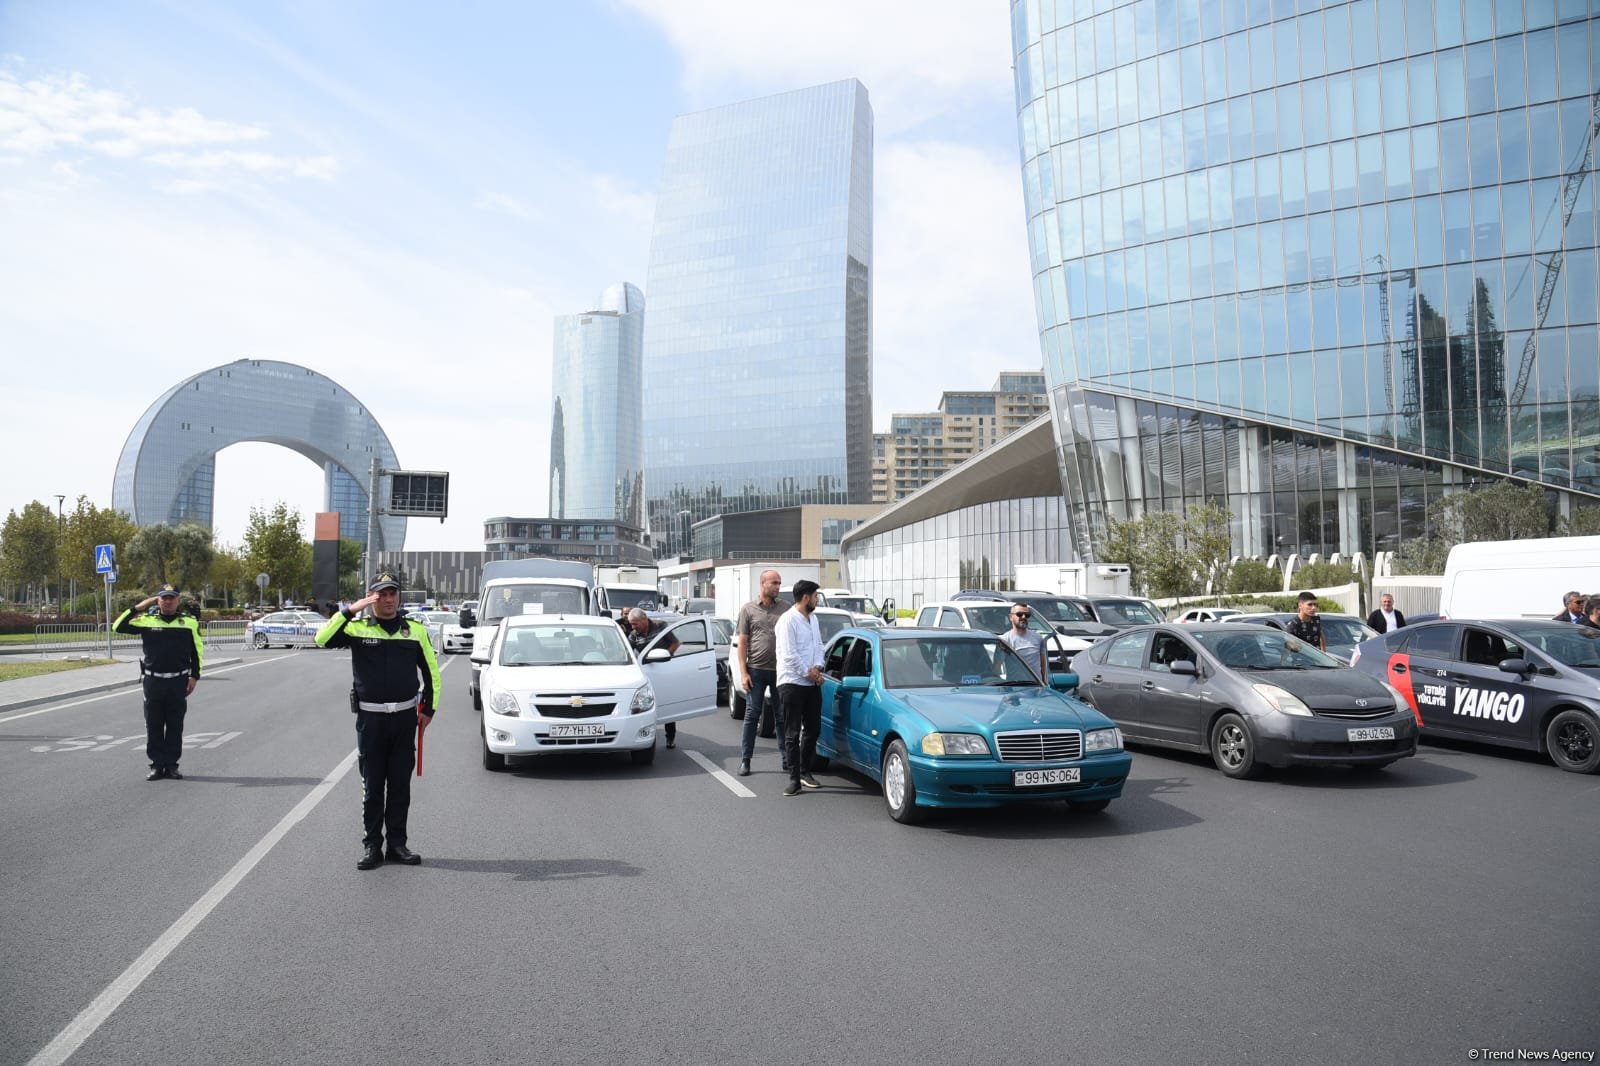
x=1517, y=683
x=289, y=628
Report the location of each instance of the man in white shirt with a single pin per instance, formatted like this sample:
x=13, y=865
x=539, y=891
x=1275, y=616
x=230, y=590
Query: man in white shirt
x=799, y=684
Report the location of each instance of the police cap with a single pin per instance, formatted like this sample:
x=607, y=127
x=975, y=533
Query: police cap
x=384, y=580
x=167, y=590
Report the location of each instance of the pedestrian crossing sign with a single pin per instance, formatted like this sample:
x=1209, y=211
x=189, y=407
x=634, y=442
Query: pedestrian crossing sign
x=105, y=558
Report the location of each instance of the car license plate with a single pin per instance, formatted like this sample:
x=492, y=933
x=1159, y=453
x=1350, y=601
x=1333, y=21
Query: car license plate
x=577, y=730
x=1379, y=732
x=1033, y=778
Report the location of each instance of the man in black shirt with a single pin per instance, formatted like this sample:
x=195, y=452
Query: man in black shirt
x=169, y=671
x=1306, y=626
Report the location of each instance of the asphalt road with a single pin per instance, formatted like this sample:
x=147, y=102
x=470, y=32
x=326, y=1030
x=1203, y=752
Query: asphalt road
x=591, y=911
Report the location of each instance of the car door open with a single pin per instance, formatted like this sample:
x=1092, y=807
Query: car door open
x=684, y=680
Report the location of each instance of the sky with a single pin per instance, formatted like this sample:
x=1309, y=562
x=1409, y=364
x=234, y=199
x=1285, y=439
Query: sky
x=402, y=196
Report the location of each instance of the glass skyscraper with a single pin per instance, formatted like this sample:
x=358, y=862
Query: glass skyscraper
x=596, y=435
x=757, y=346
x=1320, y=262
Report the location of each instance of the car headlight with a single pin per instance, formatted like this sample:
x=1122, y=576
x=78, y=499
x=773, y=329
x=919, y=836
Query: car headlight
x=1282, y=700
x=505, y=703
x=1102, y=740
x=1400, y=701
x=954, y=744
x=644, y=699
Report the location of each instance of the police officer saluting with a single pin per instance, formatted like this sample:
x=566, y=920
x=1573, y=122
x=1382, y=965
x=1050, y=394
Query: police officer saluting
x=387, y=653
x=169, y=668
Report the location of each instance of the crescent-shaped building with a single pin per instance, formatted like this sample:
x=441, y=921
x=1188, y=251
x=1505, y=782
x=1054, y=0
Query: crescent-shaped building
x=167, y=469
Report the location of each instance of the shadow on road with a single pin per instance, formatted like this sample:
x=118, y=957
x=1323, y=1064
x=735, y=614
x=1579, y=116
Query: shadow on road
x=254, y=782
x=1416, y=772
x=541, y=869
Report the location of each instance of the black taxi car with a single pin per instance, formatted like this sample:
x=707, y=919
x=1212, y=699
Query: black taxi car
x=1518, y=683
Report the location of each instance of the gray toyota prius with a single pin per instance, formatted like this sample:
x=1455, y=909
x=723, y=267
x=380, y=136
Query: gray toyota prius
x=1249, y=696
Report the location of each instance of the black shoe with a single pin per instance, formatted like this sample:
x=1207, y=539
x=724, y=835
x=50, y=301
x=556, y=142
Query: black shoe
x=175, y=774
x=155, y=774
x=809, y=781
x=744, y=767
x=672, y=741
x=792, y=788
x=403, y=855
x=370, y=859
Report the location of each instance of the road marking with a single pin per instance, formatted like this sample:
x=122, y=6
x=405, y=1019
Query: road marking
x=105, y=1004
x=124, y=691
x=720, y=774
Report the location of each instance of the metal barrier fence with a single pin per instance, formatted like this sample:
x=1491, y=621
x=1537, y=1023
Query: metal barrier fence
x=78, y=638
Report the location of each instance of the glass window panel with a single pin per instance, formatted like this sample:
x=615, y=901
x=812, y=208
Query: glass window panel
x=1286, y=50
x=1369, y=168
x=1480, y=78
x=1213, y=61
x=1336, y=37
x=1544, y=142
x=1194, y=89
x=1105, y=88
x=1420, y=76
x=1574, y=65
x=1303, y=403
x=1350, y=313
x=1484, y=154
x=1391, y=29
x=1172, y=143
x=1344, y=173
x=1447, y=22
x=1277, y=387
x=1264, y=122
x=1541, y=66
x=1455, y=172
x=1540, y=13
x=1510, y=71
x=1150, y=148
x=1319, y=230
x=1274, y=322
x=1314, y=111
x=1363, y=32
x=1296, y=253
x=1291, y=130
x=1269, y=236
x=1369, y=101
x=1171, y=82
x=1313, y=57
x=1430, y=231
x=1513, y=146
x=1250, y=324
x=1402, y=235
x=1353, y=380
x=1261, y=72
x=1239, y=128
x=1178, y=269
x=1486, y=224
x=1341, y=112
x=1127, y=40
x=1243, y=181
x=1294, y=183
x=1198, y=199
x=1252, y=395
x=1155, y=214
x=1546, y=212
x=1425, y=160
x=1220, y=196
x=1451, y=81
x=1247, y=258
x=1319, y=186
x=1395, y=96
x=1479, y=21
x=1397, y=163
x=1127, y=94
x=1347, y=242
x=1268, y=179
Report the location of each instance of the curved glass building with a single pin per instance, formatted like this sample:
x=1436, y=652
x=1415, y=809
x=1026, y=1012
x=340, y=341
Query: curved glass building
x=758, y=347
x=1318, y=262
x=596, y=418
x=167, y=469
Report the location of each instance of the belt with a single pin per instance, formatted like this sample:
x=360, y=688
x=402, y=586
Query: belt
x=387, y=708
x=180, y=673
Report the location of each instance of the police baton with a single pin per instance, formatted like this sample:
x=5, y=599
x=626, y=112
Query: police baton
x=422, y=727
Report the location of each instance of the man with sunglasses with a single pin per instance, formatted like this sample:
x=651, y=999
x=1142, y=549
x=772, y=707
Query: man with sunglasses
x=1028, y=645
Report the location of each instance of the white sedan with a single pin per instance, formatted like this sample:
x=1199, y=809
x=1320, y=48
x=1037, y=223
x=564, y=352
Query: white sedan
x=444, y=630
x=567, y=684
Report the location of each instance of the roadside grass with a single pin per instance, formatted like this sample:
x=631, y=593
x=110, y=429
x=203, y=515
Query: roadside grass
x=12, y=671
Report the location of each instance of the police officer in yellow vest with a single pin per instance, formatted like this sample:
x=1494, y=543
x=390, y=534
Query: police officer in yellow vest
x=169, y=668
x=387, y=653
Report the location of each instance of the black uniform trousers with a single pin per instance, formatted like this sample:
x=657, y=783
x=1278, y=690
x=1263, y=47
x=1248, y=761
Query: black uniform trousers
x=386, y=748
x=802, y=717
x=166, y=699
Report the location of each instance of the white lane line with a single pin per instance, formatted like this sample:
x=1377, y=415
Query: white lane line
x=94, y=1015
x=720, y=774
x=124, y=691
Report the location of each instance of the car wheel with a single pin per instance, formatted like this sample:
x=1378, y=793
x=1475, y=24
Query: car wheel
x=1090, y=806
x=1571, y=739
x=738, y=706
x=644, y=756
x=261, y=641
x=477, y=700
x=492, y=761
x=899, y=790
x=1231, y=747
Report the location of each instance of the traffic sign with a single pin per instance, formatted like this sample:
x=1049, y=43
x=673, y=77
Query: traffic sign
x=105, y=558
x=262, y=581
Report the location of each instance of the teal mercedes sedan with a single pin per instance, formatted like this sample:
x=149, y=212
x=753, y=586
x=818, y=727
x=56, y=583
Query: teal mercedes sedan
x=954, y=718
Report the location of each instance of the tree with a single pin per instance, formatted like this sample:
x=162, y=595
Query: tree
x=1169, y=566
x=1253, y=575
x=1422, y=555
x=88, y=527
x=351, y=586
x=273, y=545
x=28, y=545
x=1124, y=543
x=193, y=552
x=145, y=560
x=1502, y=511
x=1324, y=575
x=1205, y=531
x=1582, y=522
x=229, y=577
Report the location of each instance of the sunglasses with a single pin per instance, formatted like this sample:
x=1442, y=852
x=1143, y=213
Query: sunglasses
x=1021, y=614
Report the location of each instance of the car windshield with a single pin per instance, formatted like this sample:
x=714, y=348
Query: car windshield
x=996, y=619
x=1058, y=610
x=629, y=598
x=1125, y=613
x=562, y=644
x=533, y=599
x=940, y=662
x=1262, y=649
x=830, y=624
x=858, y=604
x=1346, y=632
x=1568, y=644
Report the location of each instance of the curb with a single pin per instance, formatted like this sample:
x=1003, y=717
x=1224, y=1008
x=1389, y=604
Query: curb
x=20, y=705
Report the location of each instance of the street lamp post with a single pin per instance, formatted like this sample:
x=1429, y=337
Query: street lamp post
x=61, y=503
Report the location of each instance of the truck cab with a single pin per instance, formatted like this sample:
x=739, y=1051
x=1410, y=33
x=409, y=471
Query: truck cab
x=523, y=587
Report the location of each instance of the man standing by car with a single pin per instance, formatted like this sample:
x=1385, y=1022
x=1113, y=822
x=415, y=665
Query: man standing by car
x=641, y=631
x=1028, y=645
x=169, y=669
x=1386, y=619
x=757, y=663
x=799, y=648
x=1571, y=609
x=1306, y=625
x=387, y=653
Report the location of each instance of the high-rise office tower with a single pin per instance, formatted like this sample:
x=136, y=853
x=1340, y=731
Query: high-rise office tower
x=596, y=431
x=1320, y=264
x=758, y=344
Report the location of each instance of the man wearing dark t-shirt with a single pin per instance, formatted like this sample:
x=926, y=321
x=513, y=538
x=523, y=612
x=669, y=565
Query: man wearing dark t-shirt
x=1306, y=625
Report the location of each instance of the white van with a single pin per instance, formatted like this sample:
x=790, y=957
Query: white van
x=1517, y=578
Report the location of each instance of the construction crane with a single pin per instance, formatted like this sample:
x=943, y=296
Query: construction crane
x=1571, y=186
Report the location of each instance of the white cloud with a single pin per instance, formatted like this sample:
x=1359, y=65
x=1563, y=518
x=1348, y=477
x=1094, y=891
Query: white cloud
x=917, y=59
x=506, y=204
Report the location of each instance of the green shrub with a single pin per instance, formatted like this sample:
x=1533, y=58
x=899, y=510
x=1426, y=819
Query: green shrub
x=1253, y=575
x=1323, y=575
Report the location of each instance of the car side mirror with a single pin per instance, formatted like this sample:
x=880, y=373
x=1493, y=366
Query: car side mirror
x=1064, y=682
x=855, y=683
x=657, y=655
x=468, y=619
x=1521, y=667
x=1185, y=667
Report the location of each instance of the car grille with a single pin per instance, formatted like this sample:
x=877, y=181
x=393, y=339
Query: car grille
x=559, y=704
x=1335, y=750
x=575, y=742
x=1040, y=745
x=1362, y=713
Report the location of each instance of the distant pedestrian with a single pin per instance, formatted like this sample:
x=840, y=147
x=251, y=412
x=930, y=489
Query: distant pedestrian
x=1592, y=619
x=388, y=654
x=1028, y=645
x=1572, y=608
x=169, y=669
x=757, y=663
x=641, y=631
x=1306, y=625
x=799, y=648
x=1386, y=619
